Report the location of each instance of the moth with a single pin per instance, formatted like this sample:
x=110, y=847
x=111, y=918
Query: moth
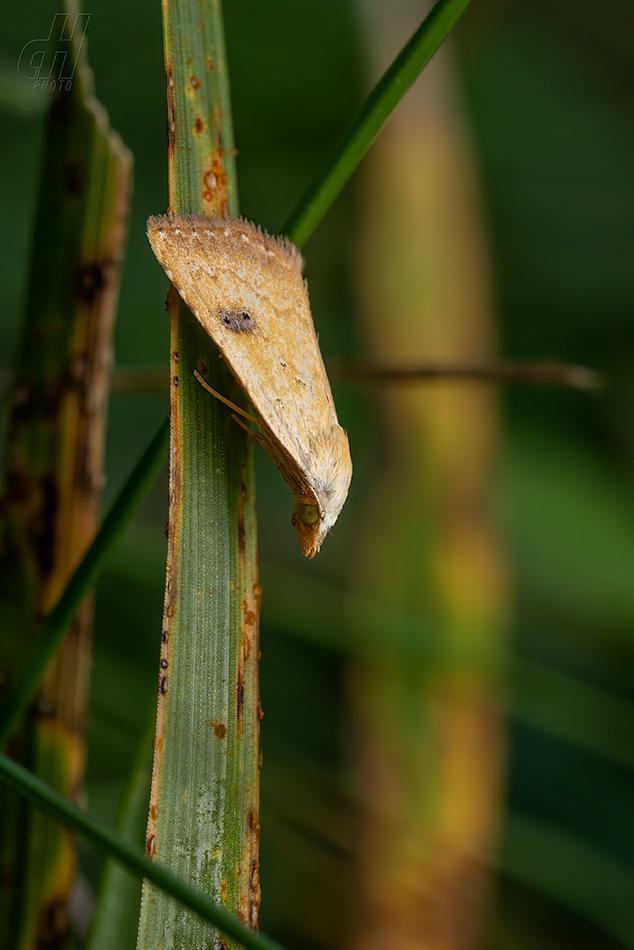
x=246, y=289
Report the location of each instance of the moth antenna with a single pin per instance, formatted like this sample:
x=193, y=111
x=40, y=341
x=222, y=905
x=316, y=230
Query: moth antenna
x=227, y=402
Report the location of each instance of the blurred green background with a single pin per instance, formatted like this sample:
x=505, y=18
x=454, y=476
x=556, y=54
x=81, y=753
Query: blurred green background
x=550, y=95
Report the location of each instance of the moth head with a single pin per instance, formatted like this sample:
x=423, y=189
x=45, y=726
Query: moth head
x=308, y=523
x=318, y=506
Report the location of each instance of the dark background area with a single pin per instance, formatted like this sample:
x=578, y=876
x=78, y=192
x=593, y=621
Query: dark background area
x=550, y=93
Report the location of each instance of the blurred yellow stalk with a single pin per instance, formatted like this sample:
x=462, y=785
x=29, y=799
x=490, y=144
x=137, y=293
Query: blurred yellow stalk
x=430, y=740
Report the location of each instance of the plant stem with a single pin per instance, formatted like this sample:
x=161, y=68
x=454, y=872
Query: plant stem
x=203, y=818
x=53, y=461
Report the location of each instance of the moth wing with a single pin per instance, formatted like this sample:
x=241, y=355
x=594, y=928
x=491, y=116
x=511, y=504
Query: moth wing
x=247, y=290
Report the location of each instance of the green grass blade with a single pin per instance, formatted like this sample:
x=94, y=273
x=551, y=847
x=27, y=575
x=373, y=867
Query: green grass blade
x=58, y=621
x=205, y=794
x=109, y=842
x=115, y=924
x=385, y=96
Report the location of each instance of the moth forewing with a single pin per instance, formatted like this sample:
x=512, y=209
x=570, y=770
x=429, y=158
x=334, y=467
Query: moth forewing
x=246, y=289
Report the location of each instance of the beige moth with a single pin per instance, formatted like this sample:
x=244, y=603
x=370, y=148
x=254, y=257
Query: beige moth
x=246, y=289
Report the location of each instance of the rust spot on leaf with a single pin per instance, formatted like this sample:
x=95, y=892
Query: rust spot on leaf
x=90, y=281
x=254, y=823
x=42, y=531
x=240, y=700
x=211, y=181
x=171, y=124
x=242, y=538
x=220, y=729
x=214, y=184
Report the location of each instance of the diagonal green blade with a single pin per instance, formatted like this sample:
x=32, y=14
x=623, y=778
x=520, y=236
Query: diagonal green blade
x=385, y=96
x=110, y=843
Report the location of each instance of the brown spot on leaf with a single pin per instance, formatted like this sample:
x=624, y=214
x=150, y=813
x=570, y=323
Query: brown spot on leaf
x=240, y=699
x=43, y=525
x=150, y=846
x=199, y=125
x=214, y=183
x=242, y=537
x=171, y=125
x=194, y=82
x=89, y=282
x=220, y=729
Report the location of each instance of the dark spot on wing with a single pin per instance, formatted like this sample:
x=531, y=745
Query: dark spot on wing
x=240, y=321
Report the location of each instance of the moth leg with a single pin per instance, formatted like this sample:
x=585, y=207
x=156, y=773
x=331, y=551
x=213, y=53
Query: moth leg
x=254, y=435
x=226, y=401
x=242, y=424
